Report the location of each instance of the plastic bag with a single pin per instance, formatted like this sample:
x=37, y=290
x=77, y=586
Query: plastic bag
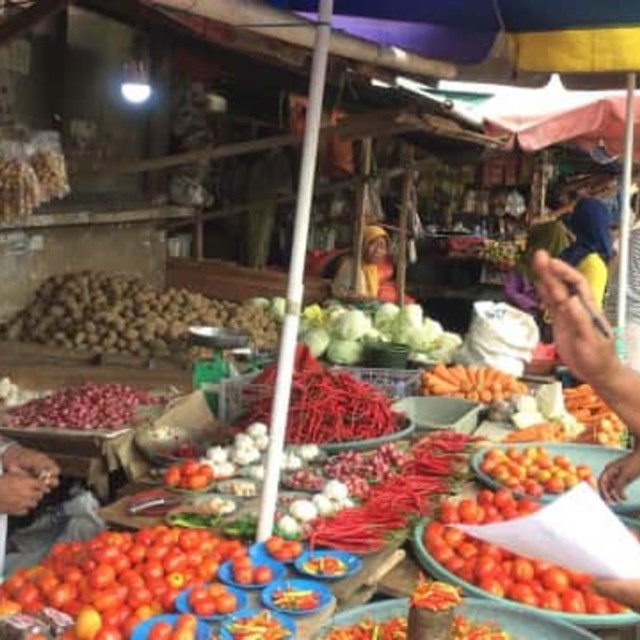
x=48, y=162
x=500, y=336
x=77, y=519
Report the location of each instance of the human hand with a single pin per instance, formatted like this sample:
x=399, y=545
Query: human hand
x=588, y=354
x=19, y=493
x=626, y=592
x=617, y=475
x=20, y=460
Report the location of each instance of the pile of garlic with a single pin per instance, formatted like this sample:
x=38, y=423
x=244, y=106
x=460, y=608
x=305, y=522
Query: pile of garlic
x=334, y=498
x=11, y=395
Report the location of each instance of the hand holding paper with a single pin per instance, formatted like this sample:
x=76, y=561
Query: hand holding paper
x=577, y=531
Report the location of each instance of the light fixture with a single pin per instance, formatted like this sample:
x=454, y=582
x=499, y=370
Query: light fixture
x=135, y=87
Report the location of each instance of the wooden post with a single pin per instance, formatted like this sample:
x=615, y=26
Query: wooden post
x=407, y=182
x=366, y=154
x=199, y=239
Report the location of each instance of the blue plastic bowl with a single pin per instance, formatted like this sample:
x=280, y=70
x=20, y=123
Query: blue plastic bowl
x=325, y=596
x=182, y=602
x=141, y=631
x=286, y=622
x=353, y=564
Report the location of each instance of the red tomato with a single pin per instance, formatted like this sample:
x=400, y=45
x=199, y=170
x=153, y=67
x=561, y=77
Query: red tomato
x=153, y=570
x=492, y=586
x=468, y=550
x=139, y=598
x=161, y=631
x=453, y=537
x=455, y=564
x=550, y=601
x=189, y=540
x=102, y=577
x=573, y=602
x=486, y=567
x=62, y=595
x=485, y=498
x=157, y=552
x=176, y=561
x=262, y=575
x=523, y=593
x=189, y=468
x=108, y=633
x=205, y=608
x=137, y=553
x=470, y=512
x=28, y=595
x=503, y=498
x=556, y=580
x=197, y=482
x=522, y=570
x=449, y=513
x=597, y=604
x=226, y=603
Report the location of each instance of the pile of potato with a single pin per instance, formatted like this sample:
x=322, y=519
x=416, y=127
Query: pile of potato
x=112, y=314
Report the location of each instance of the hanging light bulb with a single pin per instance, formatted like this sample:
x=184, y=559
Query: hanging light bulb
x=136, y=86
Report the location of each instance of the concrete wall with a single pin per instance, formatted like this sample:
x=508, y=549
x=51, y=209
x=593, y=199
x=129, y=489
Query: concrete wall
x=27, y=257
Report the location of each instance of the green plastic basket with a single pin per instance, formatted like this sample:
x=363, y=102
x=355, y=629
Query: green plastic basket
x=435, y=412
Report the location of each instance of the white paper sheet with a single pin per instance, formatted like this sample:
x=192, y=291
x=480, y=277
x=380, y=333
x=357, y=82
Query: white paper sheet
x=577, y=531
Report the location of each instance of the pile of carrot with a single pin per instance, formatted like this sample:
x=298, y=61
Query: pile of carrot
x=544, y=431
x=478, y=384
x=602, y=425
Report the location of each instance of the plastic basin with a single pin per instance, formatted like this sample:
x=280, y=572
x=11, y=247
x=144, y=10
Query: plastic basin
x=436, y=570
x=595, y=456
x=519, y=624
x=435, y=412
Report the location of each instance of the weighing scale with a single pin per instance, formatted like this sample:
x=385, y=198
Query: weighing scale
x=227, y=348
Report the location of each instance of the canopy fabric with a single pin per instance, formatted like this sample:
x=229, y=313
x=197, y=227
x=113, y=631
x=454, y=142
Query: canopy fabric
x=545, y=118
x=542, y=35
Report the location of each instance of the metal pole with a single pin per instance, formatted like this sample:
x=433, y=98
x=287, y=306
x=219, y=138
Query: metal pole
x=625, y=218
x=361, y=212
x=289, y=336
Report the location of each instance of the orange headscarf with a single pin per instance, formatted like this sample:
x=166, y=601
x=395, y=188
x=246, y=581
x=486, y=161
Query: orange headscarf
x=370, y=270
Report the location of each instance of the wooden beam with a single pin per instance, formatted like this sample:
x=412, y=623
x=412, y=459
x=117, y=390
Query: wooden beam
x=15, y=25
x=366, y=158
x=407, y=183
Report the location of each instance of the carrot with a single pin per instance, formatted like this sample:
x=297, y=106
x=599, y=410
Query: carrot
x=486, y=396
x=444, y=373
x=543, y=431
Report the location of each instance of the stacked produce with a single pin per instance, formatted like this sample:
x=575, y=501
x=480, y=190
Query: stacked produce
x=325, y=407
x=87, y=407
x=112, y=582
x=499, y=572
x=51, y=171
x=340, y=334
x=534, y=471
x=120, y=314
x=391, y=506
x=601, y=424
x=478, y=384
x=20, y=190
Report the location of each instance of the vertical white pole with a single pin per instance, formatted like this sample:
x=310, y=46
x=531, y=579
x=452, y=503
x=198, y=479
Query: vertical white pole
x=289, y=336
x=625, y=218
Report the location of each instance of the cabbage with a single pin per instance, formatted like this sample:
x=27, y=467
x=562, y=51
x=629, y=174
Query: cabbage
x=445, y=347
x=313, y=316
x=278, y=308
x=352, y=325
x=385, y=317
x=317, y=340
x=407, y=321
x=348, y=352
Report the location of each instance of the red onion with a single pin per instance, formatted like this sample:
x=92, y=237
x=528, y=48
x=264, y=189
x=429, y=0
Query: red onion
x=86, y=407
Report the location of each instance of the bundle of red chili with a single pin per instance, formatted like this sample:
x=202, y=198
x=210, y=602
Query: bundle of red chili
x=325, y=407
x=296, y=599
x=435, y=596
x=393, y=629
x=442, y=453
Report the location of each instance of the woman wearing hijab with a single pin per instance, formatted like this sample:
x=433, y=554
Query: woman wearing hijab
x=592, y=249
x=375, y=280
x=519, y=289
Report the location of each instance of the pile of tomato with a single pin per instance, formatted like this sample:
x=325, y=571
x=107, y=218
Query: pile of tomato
x=499, y=572
x=283, y=550
x=534, y=471
x=209, y=600
x=114, y=581
x=246, y=572
x=191, y=475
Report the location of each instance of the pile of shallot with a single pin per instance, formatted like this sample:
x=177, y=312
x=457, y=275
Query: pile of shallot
x=86, y=407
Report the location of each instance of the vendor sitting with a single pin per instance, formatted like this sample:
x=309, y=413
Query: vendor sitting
x=375, y=279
